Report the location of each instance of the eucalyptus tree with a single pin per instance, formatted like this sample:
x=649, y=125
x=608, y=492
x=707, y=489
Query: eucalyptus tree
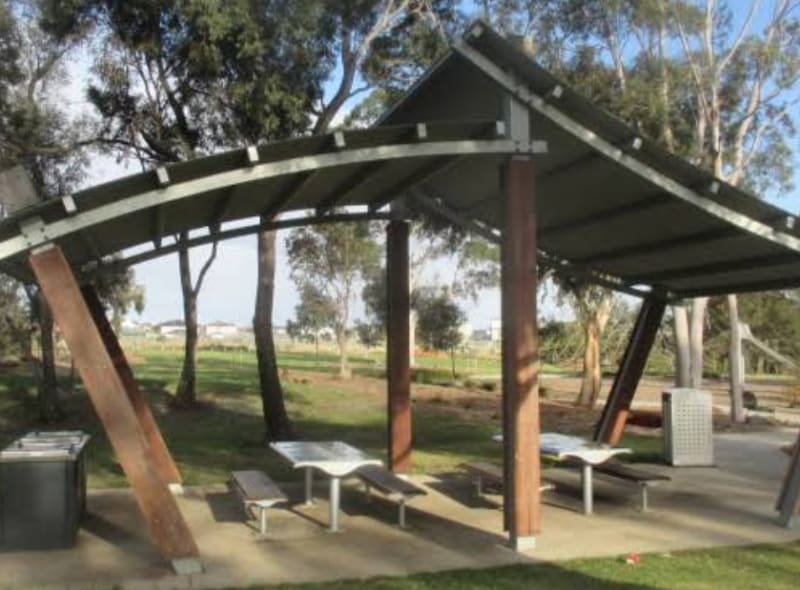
x=332, y=261
x=353, y=46
x=440, y=320
x=176, y=80
x=715, y=81
x=38, y=134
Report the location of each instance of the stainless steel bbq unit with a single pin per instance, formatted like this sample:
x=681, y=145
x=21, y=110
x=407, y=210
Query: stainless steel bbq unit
x=42, y=490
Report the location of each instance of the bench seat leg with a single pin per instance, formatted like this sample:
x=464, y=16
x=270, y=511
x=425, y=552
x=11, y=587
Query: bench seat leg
x=479, y=486
x=644, y=507
x=263, y=519
x=401, y=513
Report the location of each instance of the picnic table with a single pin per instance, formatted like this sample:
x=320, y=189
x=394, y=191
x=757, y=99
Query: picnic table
x=587, y=453
x=335, y=459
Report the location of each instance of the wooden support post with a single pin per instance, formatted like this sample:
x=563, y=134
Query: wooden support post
x=520, y=355
x=160, y=453
x=398, y=370
x=110, y=399
x=617, y=409
x=787, y=504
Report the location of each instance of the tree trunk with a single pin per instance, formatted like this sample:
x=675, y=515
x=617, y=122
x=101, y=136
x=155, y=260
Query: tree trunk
x=453, y=361
x=683, y=357
x=49, y=407
x=341, y=341
x=592, y=375
x=186, y=394
x=736, y=362
x=276, y=420
x=696, y=328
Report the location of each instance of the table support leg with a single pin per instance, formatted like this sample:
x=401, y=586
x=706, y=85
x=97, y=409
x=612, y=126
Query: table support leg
x=309, y=486
x=586, y=484
x=334, y=504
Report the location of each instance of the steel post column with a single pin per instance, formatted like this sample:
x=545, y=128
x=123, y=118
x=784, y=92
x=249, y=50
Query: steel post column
x=107, y=391
x=398, y=370
x=161, y=456
x=615, y=413
x=520, y=355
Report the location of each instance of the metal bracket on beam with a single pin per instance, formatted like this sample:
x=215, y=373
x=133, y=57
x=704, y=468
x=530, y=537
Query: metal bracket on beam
x=339, y=140
x=162, y=176
x=33, y=230
x=252, y=155
x=556, y=92
x=69, y=204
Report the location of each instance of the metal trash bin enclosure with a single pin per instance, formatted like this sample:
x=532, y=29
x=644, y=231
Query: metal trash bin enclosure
x=42, y=490
x=688, y=427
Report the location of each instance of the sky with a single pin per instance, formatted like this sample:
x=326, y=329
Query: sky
x=228, y=293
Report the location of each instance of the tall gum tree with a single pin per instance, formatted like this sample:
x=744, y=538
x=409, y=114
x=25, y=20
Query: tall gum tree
x=714, y=81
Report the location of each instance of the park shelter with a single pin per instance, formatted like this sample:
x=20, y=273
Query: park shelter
x=485, y=139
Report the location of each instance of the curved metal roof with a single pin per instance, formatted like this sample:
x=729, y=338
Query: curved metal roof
x=323, y=174
x=608, y=200
x=613, y=207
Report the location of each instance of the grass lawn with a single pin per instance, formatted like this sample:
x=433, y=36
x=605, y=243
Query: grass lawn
x=764, y=567
x=451, y=425
x=227, y=433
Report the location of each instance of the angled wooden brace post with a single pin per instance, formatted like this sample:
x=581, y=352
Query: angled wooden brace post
x=617, y=409
x=161, y=456
x=787, y=504
x=107, y=391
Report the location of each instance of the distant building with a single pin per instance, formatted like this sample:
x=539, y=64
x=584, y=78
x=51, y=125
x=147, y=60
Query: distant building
x=171, y=328
x=466, y=331
x=220, y=330
x=133, y=328
x=482, y=336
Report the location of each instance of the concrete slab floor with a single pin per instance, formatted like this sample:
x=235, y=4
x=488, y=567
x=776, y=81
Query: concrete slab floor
x=730, y=504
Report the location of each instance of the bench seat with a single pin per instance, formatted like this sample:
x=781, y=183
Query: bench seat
x=394, y=487
x=493, y=474
x=625, y=471
x=257, y=491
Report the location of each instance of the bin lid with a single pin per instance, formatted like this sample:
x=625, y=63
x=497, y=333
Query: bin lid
x=45, y=446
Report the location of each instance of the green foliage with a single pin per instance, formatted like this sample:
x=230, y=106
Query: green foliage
x=178, y=78
x=773, y=317
x=16, y=325
x=313, y=314
x=438, y=320
x=332, y=260
x=116, y=287
x=370, y=335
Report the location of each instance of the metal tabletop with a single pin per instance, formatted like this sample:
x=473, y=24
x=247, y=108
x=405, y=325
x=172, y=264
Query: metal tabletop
x=335, y=459
x=589, y=453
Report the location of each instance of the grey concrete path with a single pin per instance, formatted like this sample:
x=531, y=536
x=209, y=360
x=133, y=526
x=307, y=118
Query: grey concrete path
x=729, y=504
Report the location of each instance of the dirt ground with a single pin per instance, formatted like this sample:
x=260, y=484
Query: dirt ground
x=558, y=393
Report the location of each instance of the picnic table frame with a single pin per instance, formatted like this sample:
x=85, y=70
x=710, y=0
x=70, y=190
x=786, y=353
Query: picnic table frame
x=563, y=447
x=336, y=459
